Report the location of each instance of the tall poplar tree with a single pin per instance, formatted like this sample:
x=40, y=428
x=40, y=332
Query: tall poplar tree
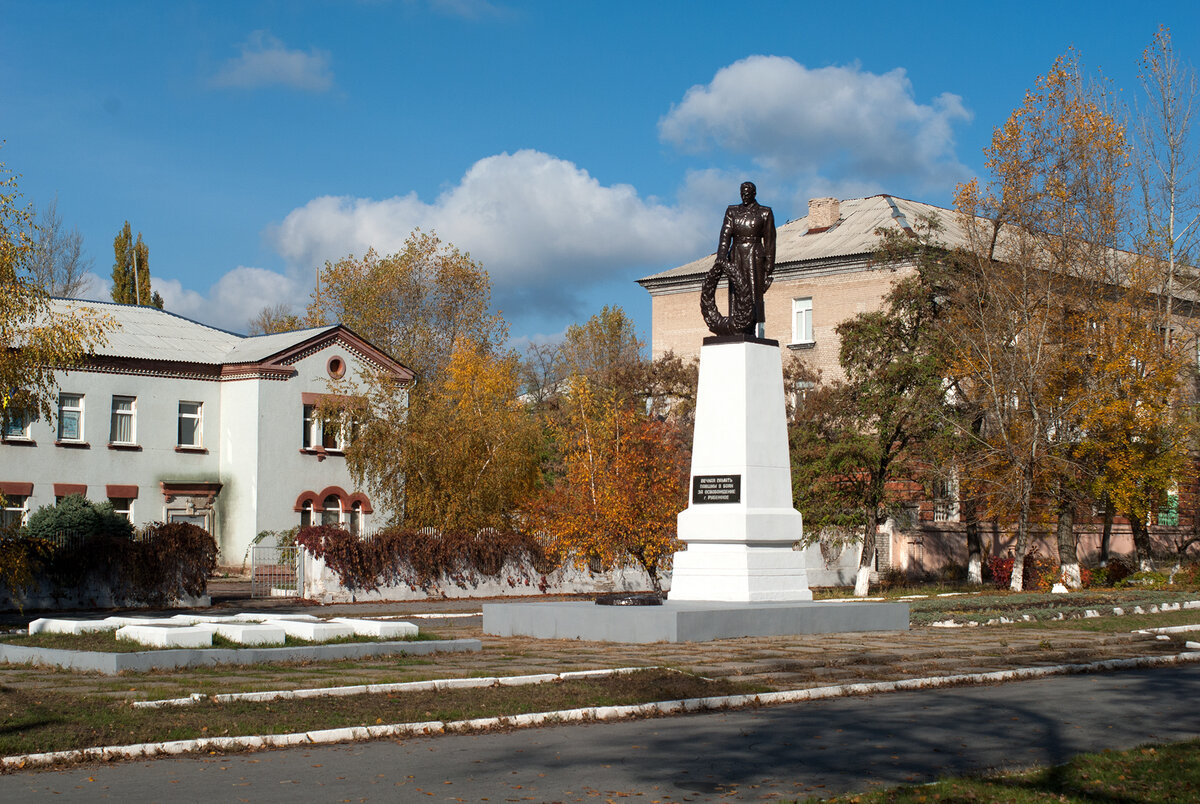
x=127, y=254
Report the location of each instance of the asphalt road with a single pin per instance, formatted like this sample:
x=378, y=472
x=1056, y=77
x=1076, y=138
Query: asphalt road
x=820, y=748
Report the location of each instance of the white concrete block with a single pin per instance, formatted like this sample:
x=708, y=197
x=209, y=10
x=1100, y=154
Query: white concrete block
x=247, y=633
x=256, y=617
x=57, y=625
x=166, y=636
x=313, y=631
x=377, y=628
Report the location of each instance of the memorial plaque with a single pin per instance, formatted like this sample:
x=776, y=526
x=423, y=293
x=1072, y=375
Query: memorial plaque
x=716, y=489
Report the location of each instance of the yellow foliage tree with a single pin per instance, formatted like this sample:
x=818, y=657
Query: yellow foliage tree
x=623, y=481
x=460, y=456
x=414, y=304
x=35, y=339
x=1042, y=239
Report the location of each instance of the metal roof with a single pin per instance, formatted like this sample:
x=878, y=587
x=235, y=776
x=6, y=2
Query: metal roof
x=855, y=233
x=147, y=333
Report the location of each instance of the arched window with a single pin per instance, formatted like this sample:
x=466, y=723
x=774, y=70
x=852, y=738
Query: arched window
x=306, y=514
x=331, y=511
x=358, y=521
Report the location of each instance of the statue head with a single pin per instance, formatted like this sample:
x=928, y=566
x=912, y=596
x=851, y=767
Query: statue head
x=749, y=191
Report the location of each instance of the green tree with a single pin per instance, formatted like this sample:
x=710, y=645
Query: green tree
x=852, y=439
x=128, y=254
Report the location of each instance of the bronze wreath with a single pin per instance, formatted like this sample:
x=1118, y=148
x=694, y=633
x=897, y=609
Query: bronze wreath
x=741, y=311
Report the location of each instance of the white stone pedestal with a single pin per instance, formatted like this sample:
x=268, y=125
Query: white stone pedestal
x=740, y=525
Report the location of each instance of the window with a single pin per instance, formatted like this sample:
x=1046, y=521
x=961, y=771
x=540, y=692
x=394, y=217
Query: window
x=190, y=424
x=802, y=320
x=357, y=520
x=310, y=418
x=306, y=515
x=945, y=499
x=13, y=513
x=331, y=511
x=122, y=431
x=122, y=506
x=1168, y=514
x=318, y=433
x=17, y=426
x=70, y=417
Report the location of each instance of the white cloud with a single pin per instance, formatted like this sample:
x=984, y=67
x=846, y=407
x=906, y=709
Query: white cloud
x=235, y=298
x=830, y=121
x=265, y=61
x=539, y=225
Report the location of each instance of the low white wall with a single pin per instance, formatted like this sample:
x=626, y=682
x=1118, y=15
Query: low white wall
x=514, y=580
x=45, y=597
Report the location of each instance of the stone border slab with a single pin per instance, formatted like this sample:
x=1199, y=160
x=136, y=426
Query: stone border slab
x=687, y=621
x=142, y=661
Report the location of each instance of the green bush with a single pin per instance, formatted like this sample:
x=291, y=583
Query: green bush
x=1147, y=579
x=77, y=516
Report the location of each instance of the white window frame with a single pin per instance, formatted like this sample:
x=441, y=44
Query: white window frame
x=198, y=419
x=15, y=417
x=10, y=508
x=945, y=498
x=131, y=414
x=316, y=431
x=77, y=409
x=802, y=327
x=126, y=512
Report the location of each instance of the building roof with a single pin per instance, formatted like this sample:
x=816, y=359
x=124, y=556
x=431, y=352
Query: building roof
x=855, y=233
x=147, y=333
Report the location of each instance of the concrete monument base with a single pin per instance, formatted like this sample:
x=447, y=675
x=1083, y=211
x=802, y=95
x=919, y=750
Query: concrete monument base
x=698, y=621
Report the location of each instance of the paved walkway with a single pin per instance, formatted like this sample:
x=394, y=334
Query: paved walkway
x=790, y=751
x=789, y=662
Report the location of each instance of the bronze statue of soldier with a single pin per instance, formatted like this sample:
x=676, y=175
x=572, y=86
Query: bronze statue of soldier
x=746, y=257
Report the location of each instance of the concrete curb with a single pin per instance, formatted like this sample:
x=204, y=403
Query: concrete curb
x=142, y=661
x=405, y=686
x=593, y=713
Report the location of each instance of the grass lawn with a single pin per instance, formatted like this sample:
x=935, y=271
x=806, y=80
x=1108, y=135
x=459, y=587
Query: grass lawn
x=33, y=720
x=1163, y=773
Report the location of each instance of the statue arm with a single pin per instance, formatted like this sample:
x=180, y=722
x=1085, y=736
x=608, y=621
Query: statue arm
x=768, y=249
x=726, y=240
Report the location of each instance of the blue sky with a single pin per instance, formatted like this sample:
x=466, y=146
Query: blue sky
x=571, y=147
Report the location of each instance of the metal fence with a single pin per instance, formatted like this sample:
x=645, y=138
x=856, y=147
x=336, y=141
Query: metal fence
x=275, y=572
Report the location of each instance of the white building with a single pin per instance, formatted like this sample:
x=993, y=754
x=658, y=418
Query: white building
x=173, y=420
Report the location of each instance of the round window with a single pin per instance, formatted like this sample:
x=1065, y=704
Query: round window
x=336, y=367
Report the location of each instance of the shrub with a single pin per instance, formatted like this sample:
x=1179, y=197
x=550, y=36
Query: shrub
x=1188, y=575
x=1144, y=580
x=172, y=558
x=1119, y=569
x=1039, y=573
x=77, y=516
x=420, y=558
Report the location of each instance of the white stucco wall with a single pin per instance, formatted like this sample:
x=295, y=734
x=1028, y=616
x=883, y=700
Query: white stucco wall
x=156, y=432
x=252, y=431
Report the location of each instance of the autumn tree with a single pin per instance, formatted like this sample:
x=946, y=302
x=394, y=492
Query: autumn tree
x=458, y=455
x=458, y=450
x=58, y=263
x=1166, y=165
x=41, y=339
x=274, y=318
x=131, y=271
x=623, y=482
x=415, y=304
x=1041, y=237
x=852, y=439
